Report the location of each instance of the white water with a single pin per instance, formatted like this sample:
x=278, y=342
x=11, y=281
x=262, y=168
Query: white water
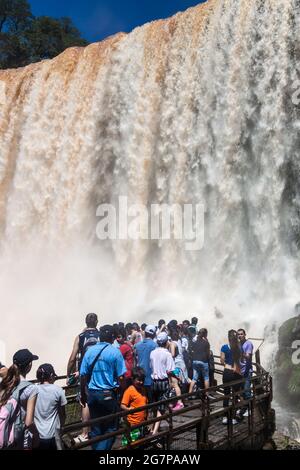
x=197, y=109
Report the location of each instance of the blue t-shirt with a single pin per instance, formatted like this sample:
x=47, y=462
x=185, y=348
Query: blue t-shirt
x=108, y=367
x=143, y=351
x=228, y=354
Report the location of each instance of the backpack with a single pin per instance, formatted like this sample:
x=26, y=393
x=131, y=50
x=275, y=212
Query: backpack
x=87, y=339
x=11, y=422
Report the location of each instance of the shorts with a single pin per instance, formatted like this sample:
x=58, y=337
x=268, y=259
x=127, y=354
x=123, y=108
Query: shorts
x=200, y=369
x=159, y=388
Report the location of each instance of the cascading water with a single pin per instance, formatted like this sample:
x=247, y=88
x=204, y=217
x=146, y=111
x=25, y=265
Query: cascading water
x=200, y=108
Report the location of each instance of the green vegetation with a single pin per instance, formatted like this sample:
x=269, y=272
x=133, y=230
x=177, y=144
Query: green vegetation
x=25, y=39
x=287, y=374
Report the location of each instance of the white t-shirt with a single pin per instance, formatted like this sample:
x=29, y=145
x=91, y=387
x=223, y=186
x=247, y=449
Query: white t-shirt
x=46, y=417
x=161, y=362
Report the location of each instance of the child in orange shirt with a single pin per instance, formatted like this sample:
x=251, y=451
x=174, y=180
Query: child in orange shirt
x=135, y=397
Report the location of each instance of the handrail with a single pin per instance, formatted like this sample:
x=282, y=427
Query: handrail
x=204, y=406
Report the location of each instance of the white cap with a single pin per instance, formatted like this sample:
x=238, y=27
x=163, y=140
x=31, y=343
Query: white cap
x=162, y=338
x=150, y=329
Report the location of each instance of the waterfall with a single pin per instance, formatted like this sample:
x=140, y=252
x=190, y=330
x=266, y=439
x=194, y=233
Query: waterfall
x=200, y=108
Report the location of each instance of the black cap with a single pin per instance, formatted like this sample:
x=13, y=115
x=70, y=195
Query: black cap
x=45, y=371
x=23, y=357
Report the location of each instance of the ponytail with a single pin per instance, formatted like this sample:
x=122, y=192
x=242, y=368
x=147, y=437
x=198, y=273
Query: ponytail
x=9, y=383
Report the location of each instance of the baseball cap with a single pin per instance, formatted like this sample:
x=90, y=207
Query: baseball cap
x=24, y=357
x=162, y=338
x=150, y=329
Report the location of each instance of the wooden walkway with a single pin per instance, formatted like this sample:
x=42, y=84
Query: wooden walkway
x=199, y=424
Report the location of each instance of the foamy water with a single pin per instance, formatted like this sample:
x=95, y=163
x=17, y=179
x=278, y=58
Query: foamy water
x=195, y=109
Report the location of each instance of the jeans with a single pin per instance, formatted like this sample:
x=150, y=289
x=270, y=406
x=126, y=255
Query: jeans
x=231, y=376
x=200, y=369
x=99, y=407
x=247, y=387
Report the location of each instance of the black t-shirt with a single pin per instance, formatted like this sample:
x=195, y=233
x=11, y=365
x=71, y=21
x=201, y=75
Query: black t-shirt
x=200, y=350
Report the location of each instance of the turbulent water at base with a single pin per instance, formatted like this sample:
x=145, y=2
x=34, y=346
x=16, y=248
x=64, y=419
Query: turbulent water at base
x=200, y=108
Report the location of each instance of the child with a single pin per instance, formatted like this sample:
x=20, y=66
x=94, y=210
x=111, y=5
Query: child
x=50, y=407
x=135, y=397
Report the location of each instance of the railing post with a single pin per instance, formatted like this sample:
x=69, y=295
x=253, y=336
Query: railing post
x=170, y=433
x=257, y=357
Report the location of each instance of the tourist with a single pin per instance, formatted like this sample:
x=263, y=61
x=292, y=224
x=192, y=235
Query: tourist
x=186, y=323
x=194, y=322
x=15, y=385
x=143, y=327
x=136, y=335
x=162, y=364
x=49, y=414
x=135, y=397
x=101, y=371
x=200, y=352
x=143, y=350
x=175, y=348
x=246, y=366
x=230, y=358
x=161, y=327
x=89, y=337
x=127, y=352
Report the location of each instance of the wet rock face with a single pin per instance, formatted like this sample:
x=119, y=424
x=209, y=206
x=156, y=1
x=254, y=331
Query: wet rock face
x=287, y=371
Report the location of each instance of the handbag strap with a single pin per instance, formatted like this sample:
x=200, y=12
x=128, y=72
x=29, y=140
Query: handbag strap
x=95, y=360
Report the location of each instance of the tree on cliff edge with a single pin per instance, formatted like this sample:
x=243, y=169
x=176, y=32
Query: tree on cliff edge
x=25, y=39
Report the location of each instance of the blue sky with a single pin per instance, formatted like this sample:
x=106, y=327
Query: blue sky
x=97, y=19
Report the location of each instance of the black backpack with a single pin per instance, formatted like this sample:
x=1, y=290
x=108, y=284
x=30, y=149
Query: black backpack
x=87, y=339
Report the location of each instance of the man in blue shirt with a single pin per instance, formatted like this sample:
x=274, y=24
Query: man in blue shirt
x=143, y=350
x=246, y=365
x=101, y=369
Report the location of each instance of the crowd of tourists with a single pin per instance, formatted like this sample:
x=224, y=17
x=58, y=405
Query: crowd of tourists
x=119, y=367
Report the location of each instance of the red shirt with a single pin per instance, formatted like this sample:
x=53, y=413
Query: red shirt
x=127, y=353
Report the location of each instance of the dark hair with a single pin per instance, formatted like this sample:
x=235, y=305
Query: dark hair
x=122, y=332
x=234, y=346
x=143, y=326
x=138, y=373
x=91, y=320
x=202, y=333
x=186, y=322
x=174, y=335
x=194, y=321
x=43, y=375
x=128, y=328
x=161, y=322
x=116, y=329
x=135, y=326
x=107, y=334
x=191, y=331
x=242, y=329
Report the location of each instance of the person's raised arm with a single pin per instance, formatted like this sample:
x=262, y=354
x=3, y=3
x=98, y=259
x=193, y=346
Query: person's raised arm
x=72, y=359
